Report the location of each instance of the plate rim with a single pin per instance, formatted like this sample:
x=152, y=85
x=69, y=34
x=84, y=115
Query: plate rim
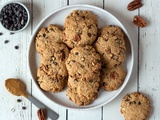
x=131, y=47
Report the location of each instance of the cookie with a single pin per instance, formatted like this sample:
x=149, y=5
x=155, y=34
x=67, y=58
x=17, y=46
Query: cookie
x=82, y=92
x=111, y=30
x=52, y=73
x=111, y=49
x=112, y=79
x=83, y=62
x=47, y=36
x=135, y=106
x=80, y=28
x=85, y=88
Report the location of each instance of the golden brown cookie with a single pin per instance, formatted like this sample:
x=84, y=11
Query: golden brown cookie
x=82, y=92
x=52, y=73
x=83, y=62
x=80, y=28
x=111, y=49
x=135, y=106
x=112, y=78
x=47, y=36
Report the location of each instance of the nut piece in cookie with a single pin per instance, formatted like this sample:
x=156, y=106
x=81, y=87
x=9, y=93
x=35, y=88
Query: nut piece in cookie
x=52, y=73
x=47, y=36
x=80, y=28
x=135, y=106
x=112, y=78
x=83, y=62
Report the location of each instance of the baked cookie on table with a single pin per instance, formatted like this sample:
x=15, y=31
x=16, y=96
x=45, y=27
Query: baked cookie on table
x=80, y=28
x=135, y=106
x=112, y=78
x=111, y=49
x=47, y=36
x=52, y=73
x=83, y=62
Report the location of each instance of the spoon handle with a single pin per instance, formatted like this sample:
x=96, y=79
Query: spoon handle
x=51, y=114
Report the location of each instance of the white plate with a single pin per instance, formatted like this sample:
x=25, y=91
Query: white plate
x=104, y=18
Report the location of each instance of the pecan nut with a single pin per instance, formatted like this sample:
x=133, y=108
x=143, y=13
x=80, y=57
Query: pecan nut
x=139, y=21
x=41, y=113
x=134, y=5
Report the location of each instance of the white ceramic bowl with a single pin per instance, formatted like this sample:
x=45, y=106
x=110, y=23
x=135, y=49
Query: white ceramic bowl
x=58, y=17
x=28, y=14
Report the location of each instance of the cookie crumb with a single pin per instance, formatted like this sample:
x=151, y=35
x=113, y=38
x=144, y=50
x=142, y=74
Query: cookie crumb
x=11, y=33
x=13, y=110
x=1, y=33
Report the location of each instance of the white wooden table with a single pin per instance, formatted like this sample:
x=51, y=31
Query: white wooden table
x=145, y=77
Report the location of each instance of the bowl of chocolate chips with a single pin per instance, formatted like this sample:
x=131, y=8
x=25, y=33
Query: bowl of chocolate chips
x=14, y=16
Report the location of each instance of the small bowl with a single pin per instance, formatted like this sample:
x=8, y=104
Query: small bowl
x=16, y=18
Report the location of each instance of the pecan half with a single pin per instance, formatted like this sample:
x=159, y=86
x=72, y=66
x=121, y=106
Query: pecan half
x=139, y=21
x=41, y=114
x=134, y=5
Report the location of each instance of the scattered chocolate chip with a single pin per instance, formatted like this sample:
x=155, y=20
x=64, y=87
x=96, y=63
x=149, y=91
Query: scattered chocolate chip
x=11, y=33
x=16, y=47
x=24, y=108
x=6, y=41
x=19, y=100
x=1, y=33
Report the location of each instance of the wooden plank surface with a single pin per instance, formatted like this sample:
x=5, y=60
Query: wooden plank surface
x=145, y=77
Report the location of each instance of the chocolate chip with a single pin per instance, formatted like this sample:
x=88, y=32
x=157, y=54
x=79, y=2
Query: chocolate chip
x=89, y=34
x=139, y=103
x=16, y=47
x=44, y=35
x=76, y=53
x=19, y=100
x=6, y=41
x=82, y=66
x=13, y=16
x=62, y=55
x=55, y=63
x=24, y=108
x=11, y=33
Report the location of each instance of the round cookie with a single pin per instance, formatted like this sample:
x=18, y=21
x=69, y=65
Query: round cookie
x=88, y=89
x=112, y=78
x=52, y=67
x=83, y=62
x=80, y=28
x=47, y=36
x=135, y=106
x=111, y=49
x=111, y=30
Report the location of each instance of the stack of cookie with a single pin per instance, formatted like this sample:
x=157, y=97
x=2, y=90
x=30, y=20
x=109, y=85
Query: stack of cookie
x=52, y=73
x=111, y=47
x=94, y=59
x=83, y=63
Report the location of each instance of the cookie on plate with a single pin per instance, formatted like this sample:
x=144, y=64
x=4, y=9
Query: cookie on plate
x=111, y=49
x=112, y=78
x=47, y=36
x=52, y=73
x=89, y=89
x=83, y=62
x=82, y=92
x=135, y=106
x=80, y=28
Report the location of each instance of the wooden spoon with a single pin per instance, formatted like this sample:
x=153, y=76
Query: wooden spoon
x=18, y=88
